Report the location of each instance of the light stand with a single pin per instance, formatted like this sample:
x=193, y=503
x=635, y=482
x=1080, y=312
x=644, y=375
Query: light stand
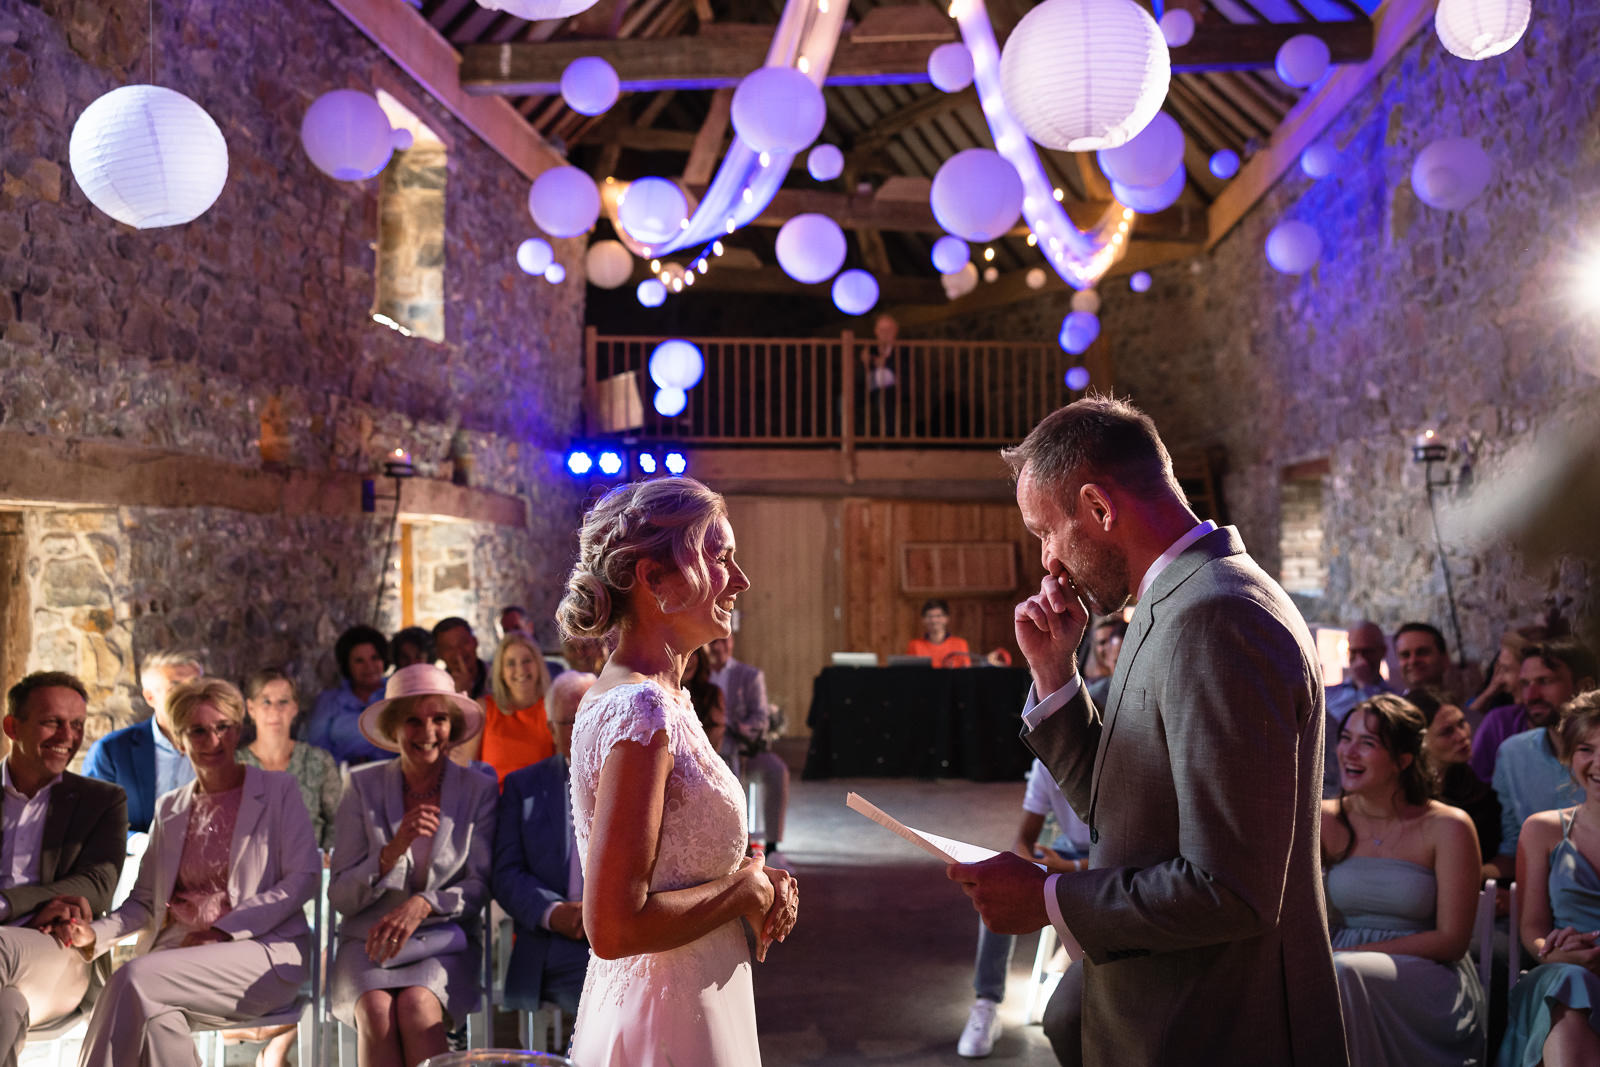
x=397, y=467
x=1428, y=450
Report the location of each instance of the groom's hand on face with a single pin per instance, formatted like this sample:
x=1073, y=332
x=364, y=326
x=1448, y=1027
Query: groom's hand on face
x=1006, y=890
x=1049, y=627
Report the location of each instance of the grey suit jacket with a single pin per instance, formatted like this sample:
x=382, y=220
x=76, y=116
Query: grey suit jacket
x=85, y=841
x=1202, y=919
x=744, y=694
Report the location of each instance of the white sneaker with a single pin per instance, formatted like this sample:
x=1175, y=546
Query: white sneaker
x=983, y=1027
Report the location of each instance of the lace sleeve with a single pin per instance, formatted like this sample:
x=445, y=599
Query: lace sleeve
x=626, y=713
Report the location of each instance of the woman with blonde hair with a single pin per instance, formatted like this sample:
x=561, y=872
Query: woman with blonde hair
x=516, y=731
x=659, y=818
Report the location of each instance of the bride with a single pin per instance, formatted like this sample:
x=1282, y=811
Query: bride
x=659, y=818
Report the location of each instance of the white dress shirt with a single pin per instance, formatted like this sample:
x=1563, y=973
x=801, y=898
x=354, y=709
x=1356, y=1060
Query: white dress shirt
x=21, y=834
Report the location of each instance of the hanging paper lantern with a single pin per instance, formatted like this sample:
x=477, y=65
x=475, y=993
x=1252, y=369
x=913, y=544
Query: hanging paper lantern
x=1149, y=201
x=651, y=293
x=676, y=364
x=1140, y=282
x=535, y=255
x=1478, y=29
x=608, y=264
x=564, y=202
x=346, y=134
x=1302, y=59
x=1078, y=331
x=1319, y=160
x=652, y=210
x=855, y=292
x=590, y=85
x=950, y=254
x=671, y=402
x=538, y=10
x=1293, y=247
x=1085, y=74
x=1224, y=163
x=825, y=162
x=1177, y=27
x=810, y=248
x=400, y=139
x=991, y=274
x=1451, y=173
x=1036, y=278
x=148, y=156
x=1149, y=159
x=950, y=67
x=555, y=274
x=1078, y=379
x=778, y=110
x=1086, y=300
x=976, y=195
x=961, y=282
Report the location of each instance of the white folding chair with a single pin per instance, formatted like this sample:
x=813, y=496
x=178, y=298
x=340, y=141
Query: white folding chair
x=480, y=1024
x=1042, y=983
x=1514, y=953
x=1483, y=934
x=55, y=1039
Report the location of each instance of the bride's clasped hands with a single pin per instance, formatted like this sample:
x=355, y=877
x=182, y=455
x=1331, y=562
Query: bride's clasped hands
x=773, y=922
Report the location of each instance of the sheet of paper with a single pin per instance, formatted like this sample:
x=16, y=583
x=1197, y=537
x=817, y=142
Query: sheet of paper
x=944, y=848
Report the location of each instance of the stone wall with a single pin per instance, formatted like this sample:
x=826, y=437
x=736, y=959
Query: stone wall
x=1413, y=318
x=247, y=336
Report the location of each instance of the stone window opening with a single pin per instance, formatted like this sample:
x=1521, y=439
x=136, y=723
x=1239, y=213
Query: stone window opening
x=411, y=235
x=1303, y=571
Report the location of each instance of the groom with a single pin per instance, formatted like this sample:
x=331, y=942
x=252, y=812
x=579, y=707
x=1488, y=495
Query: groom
x=1202, y=917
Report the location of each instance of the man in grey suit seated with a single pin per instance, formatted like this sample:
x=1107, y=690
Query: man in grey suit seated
x=60, y=835
x=744, y=746
x=1201, y=921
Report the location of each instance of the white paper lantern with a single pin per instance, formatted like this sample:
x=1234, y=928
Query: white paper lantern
x=1224, y=163
x=564, y=202
x=1319, y=160
x=148, y=156
x=652, y=210
x=1078, y=331
x=671, y=402
x=676, y=364
x=976, y=195
x=1140, y=282
x=590, y=85
x=535, y=255
x=651, y=293
x=608, y=264
x=825, y=162
x=401, y=139
x=1149, y=201
x=1177, y=27
x=1149, y=159
x=1451, y=173
x=1302, y=59
x=950, y=254
x=855, y=292
x=1078, y=379
x=811, y=248
x=1086, y=300
x=1081, y=75
x=1293, y=247
x=1036, y=278
x=555, y=274
x=961, y=282
x=778, y=110
x=347, y=135
x=538, y=10
x=1478, y=29
x=950, y=67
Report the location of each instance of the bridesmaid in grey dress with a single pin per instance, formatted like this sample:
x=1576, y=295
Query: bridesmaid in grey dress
x=1402, y=880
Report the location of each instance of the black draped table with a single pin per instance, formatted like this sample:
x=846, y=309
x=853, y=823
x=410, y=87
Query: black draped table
x=918, y=722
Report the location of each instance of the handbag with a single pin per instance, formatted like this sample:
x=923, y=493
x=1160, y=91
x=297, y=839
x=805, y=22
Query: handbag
x=440, y=939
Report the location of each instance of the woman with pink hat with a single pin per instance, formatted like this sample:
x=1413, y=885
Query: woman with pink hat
x=658, y=817
x=410, y=873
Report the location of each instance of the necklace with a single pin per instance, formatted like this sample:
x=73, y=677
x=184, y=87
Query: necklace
x=422, y=795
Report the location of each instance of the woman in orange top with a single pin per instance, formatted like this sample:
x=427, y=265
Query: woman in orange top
x=516, y=733
x=936, y=642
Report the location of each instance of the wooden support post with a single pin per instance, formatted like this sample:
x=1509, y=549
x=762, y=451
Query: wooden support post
x=847, y=404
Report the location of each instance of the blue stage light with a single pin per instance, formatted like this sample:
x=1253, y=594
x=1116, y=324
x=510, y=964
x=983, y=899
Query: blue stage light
x=610, y=463
x=579, y=462
x=647, y=462
x=676, y=463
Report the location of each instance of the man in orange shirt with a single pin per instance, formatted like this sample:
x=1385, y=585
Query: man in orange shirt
x=936, y=642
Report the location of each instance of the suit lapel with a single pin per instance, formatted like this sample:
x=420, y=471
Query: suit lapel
x=58, y=817
x=252, y=806
x=452, y=798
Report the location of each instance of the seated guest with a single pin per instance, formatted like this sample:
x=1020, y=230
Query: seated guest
x=143, y=758
x=516, y=731
x=1107, y=647
x=709, y=706
x=406, y=967
x=745, y=748
x=1364, y=679
x=936, y=642
x=269, y=702
x=513, y=620
x=219, y=904
x=411, y=645
x=1549, y=674
x=1552, y=1016
x=64, y=836
x=538, y=874
x=362, y=654
x=1503, y=686
x=1420, y=648
x=458, y=649
x=1448, y=740
x=1402, y=885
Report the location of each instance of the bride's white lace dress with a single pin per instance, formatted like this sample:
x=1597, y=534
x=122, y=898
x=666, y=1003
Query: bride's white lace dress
x=691, y=1006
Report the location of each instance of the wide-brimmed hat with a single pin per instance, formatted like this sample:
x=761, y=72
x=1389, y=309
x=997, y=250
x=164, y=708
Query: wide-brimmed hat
x=420, y=680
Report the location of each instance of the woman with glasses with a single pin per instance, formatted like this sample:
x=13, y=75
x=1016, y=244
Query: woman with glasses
x=218, y=907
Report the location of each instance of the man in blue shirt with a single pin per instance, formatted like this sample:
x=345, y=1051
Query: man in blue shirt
x=1363, y=680
x=142, y=758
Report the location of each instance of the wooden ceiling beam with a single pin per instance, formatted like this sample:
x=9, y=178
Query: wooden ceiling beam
x=709, y=139
x=892, y=288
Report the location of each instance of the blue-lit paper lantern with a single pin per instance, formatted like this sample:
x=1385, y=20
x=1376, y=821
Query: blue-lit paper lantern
x=652, y=210
x=1078, y=331
x=1319, y=160
x=346, y=135
x=950, y=67
x=825, y=162
x=676, y=364
x=1451, y=173
x=1177, y=27
x=1149, y=201
x=590, y=85
x=651, y=293
x=675, y=462
x=1078, y=379
x=555, y=274
x=671, y=402
x=610, y=463
x=976, y=195
x=564, y=202
x=1148, y=159
x=535, y=255
x=1224, y=163
x=1140, y=282
x=1293, y=247
x=950, y=254
x=811, y=248
x=855, y=292
x=579, y=462
x=1302, y=59
x=778, y=110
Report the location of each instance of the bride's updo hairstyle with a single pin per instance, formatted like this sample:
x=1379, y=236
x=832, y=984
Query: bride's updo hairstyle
x=664, y=520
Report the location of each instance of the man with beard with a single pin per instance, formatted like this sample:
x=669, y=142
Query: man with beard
x=1527, y=775
x=1201, y=919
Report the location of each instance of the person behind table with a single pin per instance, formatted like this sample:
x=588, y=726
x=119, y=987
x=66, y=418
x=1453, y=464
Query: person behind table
x=270, y=703
x=936, y=642
x=219, y=903
x=406, y=967
x=362, y=654
x=144, y=758
x=516, y=730
x=40, y=983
